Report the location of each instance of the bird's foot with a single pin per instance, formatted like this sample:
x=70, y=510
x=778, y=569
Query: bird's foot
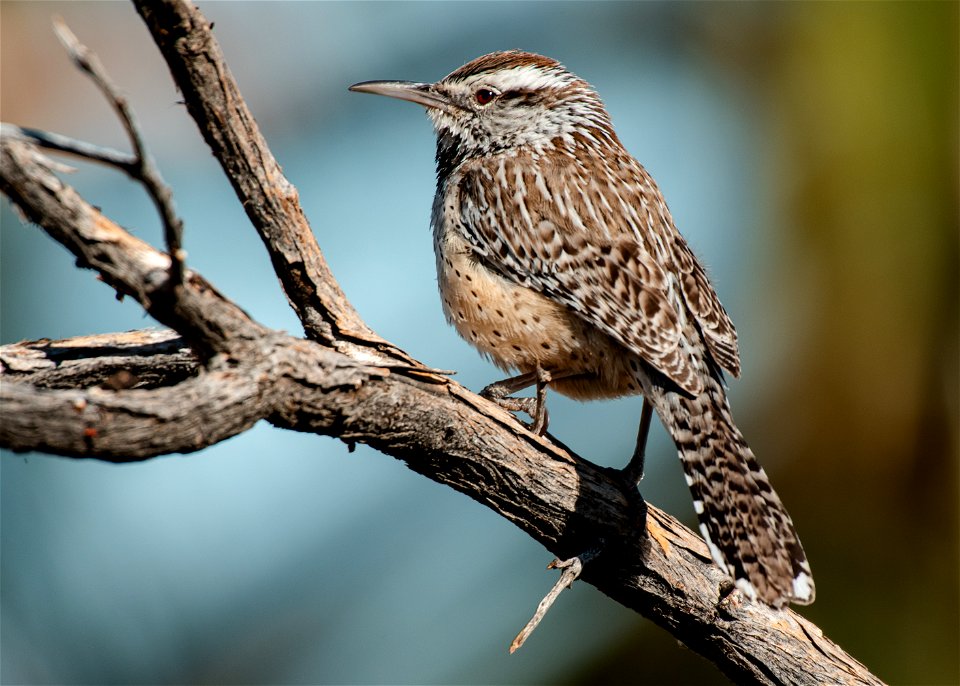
x=536, y=407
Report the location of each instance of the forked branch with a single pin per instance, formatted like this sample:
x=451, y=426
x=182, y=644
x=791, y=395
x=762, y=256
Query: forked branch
x=141, y=166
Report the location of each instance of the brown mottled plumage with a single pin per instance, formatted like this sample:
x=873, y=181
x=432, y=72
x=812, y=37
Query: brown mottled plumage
x=556, y=252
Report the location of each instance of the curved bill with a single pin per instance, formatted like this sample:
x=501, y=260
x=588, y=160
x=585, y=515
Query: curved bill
x=420, y=93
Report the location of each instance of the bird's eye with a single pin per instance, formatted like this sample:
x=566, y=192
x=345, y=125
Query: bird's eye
x=484, y=96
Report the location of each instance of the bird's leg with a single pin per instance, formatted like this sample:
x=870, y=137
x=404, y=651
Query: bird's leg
x=540, y=419
x=633, y=472
x=535, y=407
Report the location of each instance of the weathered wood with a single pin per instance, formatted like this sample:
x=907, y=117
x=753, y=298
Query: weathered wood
x=439, y=428
x=135, y=359
x=272, y=203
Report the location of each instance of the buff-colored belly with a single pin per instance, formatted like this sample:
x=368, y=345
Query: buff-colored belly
x=520, y=329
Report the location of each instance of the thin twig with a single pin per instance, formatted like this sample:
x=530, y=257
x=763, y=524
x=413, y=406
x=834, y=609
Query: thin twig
x=571, y=571
x=55, y=141
x=143, y=168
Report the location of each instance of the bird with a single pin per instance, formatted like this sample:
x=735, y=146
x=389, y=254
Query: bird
x=558, y=259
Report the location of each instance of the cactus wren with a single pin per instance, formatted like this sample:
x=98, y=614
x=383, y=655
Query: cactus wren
x=557, y=257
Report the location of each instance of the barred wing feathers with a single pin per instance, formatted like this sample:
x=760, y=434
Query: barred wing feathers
x=551, y=231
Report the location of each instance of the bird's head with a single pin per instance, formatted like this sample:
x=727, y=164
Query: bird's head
x=503, y=101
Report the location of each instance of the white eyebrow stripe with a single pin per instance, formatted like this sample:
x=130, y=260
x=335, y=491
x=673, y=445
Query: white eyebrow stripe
x=527, y=77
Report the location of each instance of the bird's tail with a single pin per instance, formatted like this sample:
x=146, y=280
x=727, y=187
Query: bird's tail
x=747, y=528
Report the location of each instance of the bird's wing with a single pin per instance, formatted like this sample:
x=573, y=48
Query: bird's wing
x=538, y=232
x=718, y=331
x=648, y=219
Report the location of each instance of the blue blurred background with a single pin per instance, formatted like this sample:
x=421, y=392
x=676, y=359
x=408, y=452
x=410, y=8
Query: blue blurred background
x=809, y=154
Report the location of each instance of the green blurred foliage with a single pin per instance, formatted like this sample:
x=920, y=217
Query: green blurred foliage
x=872, y=169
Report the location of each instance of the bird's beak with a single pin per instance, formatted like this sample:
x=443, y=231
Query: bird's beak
x=420, y=93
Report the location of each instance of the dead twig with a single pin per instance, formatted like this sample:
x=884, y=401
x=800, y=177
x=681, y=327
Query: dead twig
x=571, y=572
x=55, y=141
x=141, y=166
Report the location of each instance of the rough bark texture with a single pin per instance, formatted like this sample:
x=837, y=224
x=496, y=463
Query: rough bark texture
x=133, y=396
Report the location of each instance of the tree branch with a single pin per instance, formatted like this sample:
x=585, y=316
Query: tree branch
x=55, y=141
x=136, y=359
x=142, y=167
x=272, y=203
x=209, y=322
x=346, y=382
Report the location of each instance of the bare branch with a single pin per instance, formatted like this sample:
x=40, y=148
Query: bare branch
x=209, y=321
x=662, y=569
x=571, y=572
x=136, y=359
x=454, y=437
x=214, y=101
x=55, y=141
x=122, y=426
x=143, y=169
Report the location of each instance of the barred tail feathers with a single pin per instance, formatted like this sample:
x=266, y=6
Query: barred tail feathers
x=748, y=530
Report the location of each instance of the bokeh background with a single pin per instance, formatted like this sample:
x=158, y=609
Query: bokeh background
x=809, y=153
